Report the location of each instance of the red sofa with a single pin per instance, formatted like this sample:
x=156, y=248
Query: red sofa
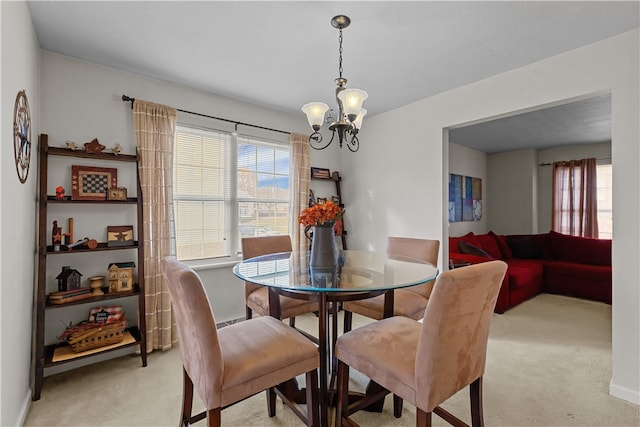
x=551, y=262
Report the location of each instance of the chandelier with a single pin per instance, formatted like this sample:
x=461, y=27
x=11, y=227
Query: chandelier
x=348, y=121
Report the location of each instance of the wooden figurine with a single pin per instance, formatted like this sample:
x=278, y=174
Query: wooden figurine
x=121, y=276
x=59, y=192
x=56, y=236
x=68, y=279
x=93, y=147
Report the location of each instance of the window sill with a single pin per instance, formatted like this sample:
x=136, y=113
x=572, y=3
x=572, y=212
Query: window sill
x=205, y=264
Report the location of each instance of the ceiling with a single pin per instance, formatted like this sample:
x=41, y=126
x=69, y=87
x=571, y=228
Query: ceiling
x=283, y=54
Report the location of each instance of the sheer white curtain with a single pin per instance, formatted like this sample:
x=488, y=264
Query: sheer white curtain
x=155, y=127
x=575, y=209
x=300, y=177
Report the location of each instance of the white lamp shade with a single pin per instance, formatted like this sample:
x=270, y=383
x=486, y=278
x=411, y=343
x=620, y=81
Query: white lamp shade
x=315, y=112
x=352, y=100
x=358, y=120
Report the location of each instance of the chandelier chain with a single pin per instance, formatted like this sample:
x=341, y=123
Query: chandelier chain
x=340, y=51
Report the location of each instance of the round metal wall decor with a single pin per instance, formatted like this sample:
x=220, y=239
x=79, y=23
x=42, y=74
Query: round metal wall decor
x=22, y=135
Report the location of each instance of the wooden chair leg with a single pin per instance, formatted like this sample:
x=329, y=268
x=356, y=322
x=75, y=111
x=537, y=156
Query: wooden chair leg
x=187, y=399
x=213, y=417
x=271, y=402
x=397, y=406
x=475, y=393
x=423, y=419
x=313, y=401
x=343, y=392
x=348, y=320
x=292, y=322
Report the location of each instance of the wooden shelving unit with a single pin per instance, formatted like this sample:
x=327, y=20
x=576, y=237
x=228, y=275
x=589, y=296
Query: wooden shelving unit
x=44, y=353
x=337, y=179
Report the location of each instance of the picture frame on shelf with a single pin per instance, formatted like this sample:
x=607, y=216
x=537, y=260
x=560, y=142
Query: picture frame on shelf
x=120, y=235
x=118, y=193
x=92, y=183
x=320, y=173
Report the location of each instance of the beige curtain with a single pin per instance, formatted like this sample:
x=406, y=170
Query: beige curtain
x=300, y=176
x=575, y=208
x=154, y=127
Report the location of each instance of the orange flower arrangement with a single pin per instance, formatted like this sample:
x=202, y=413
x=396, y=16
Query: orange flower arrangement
x=319, y=214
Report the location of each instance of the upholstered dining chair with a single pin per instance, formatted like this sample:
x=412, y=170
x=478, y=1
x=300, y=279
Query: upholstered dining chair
x=428, y=362
x=409, y=302
x=228, y=365
x=257, y=297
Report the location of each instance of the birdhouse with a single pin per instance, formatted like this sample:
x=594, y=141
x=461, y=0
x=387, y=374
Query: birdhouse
x=121, y=276
x=68, y=279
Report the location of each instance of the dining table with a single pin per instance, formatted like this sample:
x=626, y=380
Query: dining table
x=358, y=275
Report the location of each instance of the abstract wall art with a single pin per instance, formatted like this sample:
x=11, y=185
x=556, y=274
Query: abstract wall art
x=465, y=198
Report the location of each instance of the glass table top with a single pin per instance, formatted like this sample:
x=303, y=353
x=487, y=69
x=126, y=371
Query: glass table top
x=358, y=271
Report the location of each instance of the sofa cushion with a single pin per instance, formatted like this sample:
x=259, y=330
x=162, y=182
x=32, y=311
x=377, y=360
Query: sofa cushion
x=523, y=247
x=468, y=248
x=523, y=273
x=578, y=280
x=583, y=250
x=489, y=245
x=501, y=240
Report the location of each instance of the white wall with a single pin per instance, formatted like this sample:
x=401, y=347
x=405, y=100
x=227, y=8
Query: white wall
x=602, y=153
x=512, y=191
x=469, y=162
x=20, y=62
x=400, y=176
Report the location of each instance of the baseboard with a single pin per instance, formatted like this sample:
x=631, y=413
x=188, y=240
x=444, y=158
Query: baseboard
x=624, y=393
x=24, y=409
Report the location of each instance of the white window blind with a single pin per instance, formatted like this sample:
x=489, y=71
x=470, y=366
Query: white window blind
x=227, y=187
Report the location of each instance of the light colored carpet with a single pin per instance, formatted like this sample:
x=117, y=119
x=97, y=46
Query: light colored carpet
x=548, y=364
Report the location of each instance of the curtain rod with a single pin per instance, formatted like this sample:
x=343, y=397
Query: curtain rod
x=125, y=98
x=551, y=164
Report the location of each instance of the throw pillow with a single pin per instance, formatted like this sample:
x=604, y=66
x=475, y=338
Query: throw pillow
x=469, y=249
x=489, y=245
x=502, y=244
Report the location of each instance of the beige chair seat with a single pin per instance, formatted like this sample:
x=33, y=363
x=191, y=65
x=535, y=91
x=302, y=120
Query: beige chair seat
x=405, y=303
x=258, y=302
x=396, y=365
x=259, y=353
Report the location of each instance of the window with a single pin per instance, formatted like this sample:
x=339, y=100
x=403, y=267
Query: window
x=227, y=187
x=605, y=201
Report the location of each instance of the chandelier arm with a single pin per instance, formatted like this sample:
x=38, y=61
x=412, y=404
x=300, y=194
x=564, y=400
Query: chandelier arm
x=333, y=135
x=315, y=139
x=355, y=142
